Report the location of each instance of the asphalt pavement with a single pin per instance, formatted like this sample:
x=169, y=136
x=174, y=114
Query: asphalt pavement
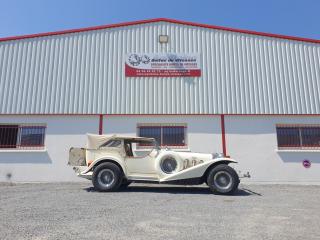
x=75, y=211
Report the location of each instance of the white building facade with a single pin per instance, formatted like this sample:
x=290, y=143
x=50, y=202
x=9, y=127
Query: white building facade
x=253, y=96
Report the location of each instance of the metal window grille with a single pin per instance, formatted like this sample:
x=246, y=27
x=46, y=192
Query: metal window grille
x=298, y=136
x=166, y=135
x=22, y=136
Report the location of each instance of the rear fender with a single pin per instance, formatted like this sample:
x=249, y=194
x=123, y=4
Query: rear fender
x=111, y=159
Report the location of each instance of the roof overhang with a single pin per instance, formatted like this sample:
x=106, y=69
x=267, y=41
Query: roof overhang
x=124, y=24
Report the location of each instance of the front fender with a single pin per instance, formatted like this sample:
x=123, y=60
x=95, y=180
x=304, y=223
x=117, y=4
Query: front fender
x=106, y=158
x=224, y=159
x=198, y=170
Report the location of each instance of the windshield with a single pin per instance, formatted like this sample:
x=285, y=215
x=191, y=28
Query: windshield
x=155, y=145
x=137, y=147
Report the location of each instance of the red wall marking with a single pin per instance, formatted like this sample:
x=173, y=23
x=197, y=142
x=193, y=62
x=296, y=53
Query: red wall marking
x=100, y=124
x=223, y=136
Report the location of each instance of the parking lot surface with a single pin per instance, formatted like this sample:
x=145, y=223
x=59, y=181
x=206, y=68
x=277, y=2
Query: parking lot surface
x=75, y=211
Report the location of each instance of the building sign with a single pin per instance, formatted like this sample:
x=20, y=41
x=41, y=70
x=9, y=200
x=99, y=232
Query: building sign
x=306, y=163
x=162, y=65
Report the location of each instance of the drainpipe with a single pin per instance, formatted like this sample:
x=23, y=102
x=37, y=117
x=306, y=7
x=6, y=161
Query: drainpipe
x=223, y=135
x=100, y=124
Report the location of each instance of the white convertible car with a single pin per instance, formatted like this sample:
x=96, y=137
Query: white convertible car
x=114, y=161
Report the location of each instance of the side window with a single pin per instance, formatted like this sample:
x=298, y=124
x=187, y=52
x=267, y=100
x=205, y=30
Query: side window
x=22, y=136
x=310, y=136
x=112, y=143
x=298, y=136
x=173, y=135
x=150, y=132
x=288, y=137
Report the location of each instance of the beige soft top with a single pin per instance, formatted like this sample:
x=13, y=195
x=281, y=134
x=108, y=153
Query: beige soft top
x=94, y=141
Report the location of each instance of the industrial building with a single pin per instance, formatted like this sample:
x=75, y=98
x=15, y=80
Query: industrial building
x=194, y=87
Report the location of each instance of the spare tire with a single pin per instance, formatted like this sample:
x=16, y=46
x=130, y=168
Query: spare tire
x=169, y=163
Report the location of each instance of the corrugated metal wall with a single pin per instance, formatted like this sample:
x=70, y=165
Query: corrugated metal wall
x=84, y=73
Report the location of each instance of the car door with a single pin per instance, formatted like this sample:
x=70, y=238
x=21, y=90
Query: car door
x=142, y=166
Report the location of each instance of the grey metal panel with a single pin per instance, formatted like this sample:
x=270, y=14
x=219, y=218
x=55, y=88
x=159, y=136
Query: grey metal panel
x=84, y=73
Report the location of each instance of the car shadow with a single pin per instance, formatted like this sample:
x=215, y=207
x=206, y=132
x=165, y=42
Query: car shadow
x=243, y=192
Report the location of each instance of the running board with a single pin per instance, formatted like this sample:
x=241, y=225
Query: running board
x=189, y=181
x=136, y=179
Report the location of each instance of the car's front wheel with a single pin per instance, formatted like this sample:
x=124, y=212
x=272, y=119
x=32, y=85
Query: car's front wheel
x=223, y=179
x=107, y=177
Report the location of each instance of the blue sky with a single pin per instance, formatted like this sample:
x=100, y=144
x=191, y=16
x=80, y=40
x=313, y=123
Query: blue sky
x=288, y=17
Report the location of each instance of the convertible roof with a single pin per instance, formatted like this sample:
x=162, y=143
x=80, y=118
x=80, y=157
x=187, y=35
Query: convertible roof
x=94, y=141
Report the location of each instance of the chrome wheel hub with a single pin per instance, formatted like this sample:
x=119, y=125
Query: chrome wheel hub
x=106, y=177
x=223, y=180
x=168, y=165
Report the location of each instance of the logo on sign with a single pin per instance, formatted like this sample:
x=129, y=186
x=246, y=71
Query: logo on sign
x=136, y=60
x=306, y=163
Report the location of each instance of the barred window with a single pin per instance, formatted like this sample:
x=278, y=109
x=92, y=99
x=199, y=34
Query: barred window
x=22, y=136
x=165, y=134
x=298, y=136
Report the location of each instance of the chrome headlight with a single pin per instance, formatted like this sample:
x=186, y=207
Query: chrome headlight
x=218, y=155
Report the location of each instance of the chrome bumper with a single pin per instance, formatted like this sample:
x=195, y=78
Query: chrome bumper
x=79, y=171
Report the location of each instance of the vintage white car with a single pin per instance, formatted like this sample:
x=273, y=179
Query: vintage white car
x=114, y=161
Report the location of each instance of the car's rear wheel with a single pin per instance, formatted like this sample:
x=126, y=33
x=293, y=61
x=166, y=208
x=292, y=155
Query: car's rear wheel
x=107, y=177
x=223, y=179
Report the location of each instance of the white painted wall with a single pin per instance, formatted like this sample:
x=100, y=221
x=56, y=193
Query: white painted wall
x=252, y=140
x=204, y=132
x=66, y=131
x=50, y=165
